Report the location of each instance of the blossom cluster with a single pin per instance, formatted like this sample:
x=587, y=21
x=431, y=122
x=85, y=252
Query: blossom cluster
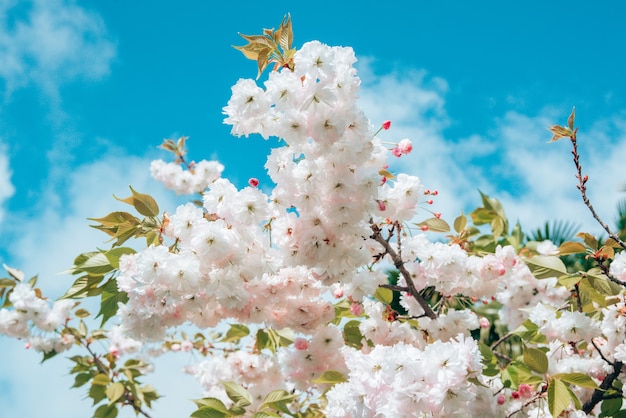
x=35, y=320
x=276, y=259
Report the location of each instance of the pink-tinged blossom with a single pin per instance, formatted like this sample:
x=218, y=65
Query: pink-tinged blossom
x=405, y=146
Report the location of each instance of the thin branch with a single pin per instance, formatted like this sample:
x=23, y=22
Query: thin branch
x=598, y=394
x=397, y=261
x=582, y=180
x=394, y=287
x=128, y=396
x=608, y=274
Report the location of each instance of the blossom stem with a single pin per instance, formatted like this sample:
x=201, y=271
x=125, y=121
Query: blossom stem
x=397, y=261
x=128, y=396
x=582, y=180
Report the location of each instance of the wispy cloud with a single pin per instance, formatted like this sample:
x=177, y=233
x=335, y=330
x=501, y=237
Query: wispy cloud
x=46, y=245
x=6, y=187
x=51, y=42
x=512, y=161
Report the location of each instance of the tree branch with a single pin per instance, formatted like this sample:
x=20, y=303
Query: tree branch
x=399, y=264
x=582, y=180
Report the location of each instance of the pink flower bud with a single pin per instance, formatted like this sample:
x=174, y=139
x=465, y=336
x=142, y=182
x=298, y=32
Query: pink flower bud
x=175, y=347
x=253, y=182
x=381, y=205
x=501, y=399
x=386, y=124
x=396, y=152
x=525, y=390
x=300, y=344
x=114, y=350
x=484, y=323
x=356, y=309
x=424, y=228
x=186, y=346
x=338, y=292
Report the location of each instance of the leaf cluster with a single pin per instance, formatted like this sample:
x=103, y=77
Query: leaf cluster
x=273, y=46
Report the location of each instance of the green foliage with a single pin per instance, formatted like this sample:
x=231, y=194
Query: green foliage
x=557, y=231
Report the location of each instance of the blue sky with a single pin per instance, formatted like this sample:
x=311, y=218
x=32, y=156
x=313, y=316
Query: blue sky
x=88, y=89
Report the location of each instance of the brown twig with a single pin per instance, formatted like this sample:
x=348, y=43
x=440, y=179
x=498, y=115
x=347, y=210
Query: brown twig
x=397, y=261
x=598, y=394
x=582, y=180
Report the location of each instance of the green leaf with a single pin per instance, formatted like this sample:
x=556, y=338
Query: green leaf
x=384, y=295
x=278, y=396
x=609, y=407
x=235, y=333
x=558, y=397
x=572, y=247
x=97, y=393
x=109, y=300
x=211, y=403
x=48, y=355
x=237, y=394
x=435, y=225
x=82, y=287
x=352, y=334
x=543, y=266
x=116, y=218
x=536, y=360
x=481, y=216
x=7, y=282
x=81, y=313
x=81, y=379
x=143, y=203
x=578, y=379
x=265, y=414
x=570, y=280
x=459, y=223
x=106, y=411
x=330, y=376
x=114, y=255
x=209, y=413
x=264, y=341
x=114, y=392
x=101, y=379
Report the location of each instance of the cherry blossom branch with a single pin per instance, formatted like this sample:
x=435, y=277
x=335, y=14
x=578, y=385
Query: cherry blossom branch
x=608, y=274
x=582, y=180
x=598, y=394
x=399, y=264
x=128, y=396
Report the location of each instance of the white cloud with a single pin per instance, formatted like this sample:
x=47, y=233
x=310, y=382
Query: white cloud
x=50, y=42
x=47, y=245
x=6, y=187
x=512, y=162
